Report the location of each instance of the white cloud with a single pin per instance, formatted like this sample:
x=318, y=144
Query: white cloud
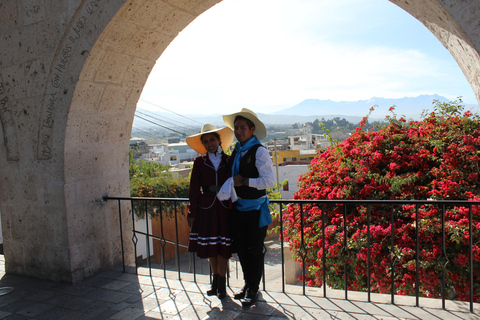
x=266, y=54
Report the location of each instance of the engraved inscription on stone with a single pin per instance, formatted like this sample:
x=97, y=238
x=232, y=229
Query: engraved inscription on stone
x=55, y=92
x=8, y=125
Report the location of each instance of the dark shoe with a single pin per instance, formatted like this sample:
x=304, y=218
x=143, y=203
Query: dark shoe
x=222, y=287
x=214, y=288
x=240, y=294
x=250, y=298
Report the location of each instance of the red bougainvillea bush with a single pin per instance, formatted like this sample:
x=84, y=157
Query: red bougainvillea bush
x=435, y=158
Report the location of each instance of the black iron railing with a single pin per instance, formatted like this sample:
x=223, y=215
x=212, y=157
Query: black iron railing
x=149, y=205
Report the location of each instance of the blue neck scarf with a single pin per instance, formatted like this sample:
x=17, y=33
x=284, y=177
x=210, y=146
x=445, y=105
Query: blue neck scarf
x=251, y=204
x=238, y=153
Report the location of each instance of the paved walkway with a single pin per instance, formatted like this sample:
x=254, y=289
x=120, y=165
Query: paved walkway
x=118, y=295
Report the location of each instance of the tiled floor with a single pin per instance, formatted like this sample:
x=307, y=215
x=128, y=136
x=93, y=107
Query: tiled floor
x=118, y=295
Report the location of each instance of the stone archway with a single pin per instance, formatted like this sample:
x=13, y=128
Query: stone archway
x=70, y=78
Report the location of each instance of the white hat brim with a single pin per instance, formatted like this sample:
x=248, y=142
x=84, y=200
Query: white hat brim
x=260, y=130
x=226, y=138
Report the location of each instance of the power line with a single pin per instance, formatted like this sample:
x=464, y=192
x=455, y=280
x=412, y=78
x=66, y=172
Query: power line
x=147, y=133
x=139, y=124
x=157, y=124
x=148, y=129
x=153, y=104
x=150, y=116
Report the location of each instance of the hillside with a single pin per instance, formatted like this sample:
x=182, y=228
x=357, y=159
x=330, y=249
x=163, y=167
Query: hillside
x=411, y=107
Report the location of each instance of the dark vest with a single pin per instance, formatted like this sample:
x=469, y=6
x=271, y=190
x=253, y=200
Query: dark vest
x=249, y=170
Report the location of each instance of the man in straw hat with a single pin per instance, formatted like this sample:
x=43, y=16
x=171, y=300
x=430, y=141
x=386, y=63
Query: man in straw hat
x=208, y=217
x=252, y=173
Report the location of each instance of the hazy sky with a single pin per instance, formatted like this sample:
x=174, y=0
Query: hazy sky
x=268, y=55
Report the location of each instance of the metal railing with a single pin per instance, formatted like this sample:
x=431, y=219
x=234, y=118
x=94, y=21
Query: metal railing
x=441, y=204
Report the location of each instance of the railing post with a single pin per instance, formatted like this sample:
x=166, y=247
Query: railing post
x=280, y=218
x=368, y=254
x=195, y=268
x=392, y=253
x=345, y=250
x=177, y=252
x=417, y=257
x=444, y=253
x=162, y=241
x=324, y=255
x=302, y=247
x=121, y=234
x=470, y=250
x=148, y=238
x=134, y=236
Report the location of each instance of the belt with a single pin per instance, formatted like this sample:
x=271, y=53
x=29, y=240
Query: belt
x=213, y=188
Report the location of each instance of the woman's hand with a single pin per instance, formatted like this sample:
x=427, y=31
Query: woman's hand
x=190, y=221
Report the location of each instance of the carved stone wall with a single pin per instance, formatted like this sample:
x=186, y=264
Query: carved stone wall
x=71, y=73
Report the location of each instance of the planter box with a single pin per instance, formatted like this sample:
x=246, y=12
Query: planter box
x=165, y=228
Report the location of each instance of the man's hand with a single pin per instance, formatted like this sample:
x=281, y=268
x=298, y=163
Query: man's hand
x=237, y=181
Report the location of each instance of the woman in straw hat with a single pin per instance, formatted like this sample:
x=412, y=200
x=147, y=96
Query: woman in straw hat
x=208, y=216
x=252, y=173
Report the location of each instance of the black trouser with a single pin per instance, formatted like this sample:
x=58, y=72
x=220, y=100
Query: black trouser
x=248, y=241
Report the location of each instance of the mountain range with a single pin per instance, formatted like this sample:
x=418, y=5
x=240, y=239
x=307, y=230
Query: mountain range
x=353, y=111
x=409, y=106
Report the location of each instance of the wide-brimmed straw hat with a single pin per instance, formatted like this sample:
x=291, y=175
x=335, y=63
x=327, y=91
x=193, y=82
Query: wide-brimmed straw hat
x=195, y=141
x=260, y=130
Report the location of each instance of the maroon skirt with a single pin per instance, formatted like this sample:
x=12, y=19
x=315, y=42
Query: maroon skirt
x=210, y=233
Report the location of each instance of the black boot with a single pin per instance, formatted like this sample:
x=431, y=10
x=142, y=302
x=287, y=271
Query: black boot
x=213, y=289
x=222, y=287
x=241, y=294
x=250, y=297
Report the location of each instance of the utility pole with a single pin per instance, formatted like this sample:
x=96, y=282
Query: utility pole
x=276, y=163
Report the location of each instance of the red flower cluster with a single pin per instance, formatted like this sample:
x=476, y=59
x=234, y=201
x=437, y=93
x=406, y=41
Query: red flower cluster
x=435, y=158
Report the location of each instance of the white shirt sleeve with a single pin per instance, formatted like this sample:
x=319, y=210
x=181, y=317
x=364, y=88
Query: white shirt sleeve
x=264, y=166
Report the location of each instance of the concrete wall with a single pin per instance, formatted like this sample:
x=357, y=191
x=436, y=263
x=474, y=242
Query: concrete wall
x=291, y=173
x=71, y=73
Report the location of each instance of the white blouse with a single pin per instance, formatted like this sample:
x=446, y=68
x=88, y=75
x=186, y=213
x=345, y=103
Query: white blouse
x=215, y=158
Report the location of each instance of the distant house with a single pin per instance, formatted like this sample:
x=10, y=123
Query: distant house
x=297, y=149
x=170, y=154
x=291, y=173
x=182, y=170
x=291, y=158
x=138, y=143
x=173, y=140
x=308, y=141
x=138, y=147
